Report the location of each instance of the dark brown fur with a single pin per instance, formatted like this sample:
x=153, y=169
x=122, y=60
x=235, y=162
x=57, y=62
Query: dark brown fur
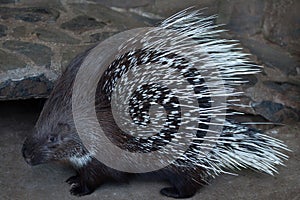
x=55, y=139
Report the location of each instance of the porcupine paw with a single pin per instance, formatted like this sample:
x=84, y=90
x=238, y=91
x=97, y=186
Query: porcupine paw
x=78, y=188
x=170, y=192
x=175, y=193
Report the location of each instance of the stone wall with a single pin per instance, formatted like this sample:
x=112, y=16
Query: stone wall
x=38, y=39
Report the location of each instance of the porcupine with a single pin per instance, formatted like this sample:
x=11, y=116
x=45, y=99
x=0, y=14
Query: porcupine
x=184, y=47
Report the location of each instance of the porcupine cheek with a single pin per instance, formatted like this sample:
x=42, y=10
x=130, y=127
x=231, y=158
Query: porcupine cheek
x=34, y=153
x=32, y=156
x=27, y=151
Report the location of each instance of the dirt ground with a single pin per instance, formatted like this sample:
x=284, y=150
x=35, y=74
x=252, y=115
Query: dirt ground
x=21, y=181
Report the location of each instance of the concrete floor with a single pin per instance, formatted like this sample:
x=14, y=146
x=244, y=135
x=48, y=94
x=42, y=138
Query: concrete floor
x=20, y=181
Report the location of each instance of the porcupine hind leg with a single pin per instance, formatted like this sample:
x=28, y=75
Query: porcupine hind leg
x=183, y=186
x=91, y=175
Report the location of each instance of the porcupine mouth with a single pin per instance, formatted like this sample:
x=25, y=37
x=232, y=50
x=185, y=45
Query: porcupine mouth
x=141, y=99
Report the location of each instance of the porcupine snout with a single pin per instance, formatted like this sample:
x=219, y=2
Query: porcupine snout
x=32, y=152
x=27, y=151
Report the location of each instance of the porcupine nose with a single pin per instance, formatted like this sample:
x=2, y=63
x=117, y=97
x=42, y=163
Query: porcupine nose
x=26, y=154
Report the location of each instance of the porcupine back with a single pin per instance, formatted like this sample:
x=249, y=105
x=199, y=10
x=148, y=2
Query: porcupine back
x=185, y=51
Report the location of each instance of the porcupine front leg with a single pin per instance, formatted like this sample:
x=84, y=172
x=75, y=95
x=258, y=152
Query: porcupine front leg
x=92, y=175
x=89, y=177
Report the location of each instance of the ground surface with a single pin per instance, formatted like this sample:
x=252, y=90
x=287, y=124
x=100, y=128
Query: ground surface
x=20, y=181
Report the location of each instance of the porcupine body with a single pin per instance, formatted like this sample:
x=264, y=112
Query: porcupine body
x=184, y=69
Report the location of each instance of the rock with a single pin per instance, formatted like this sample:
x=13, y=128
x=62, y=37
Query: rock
x=272, y=108
x=70, y=53
x=275, y=101
x=56, y=4
x=286, y=93
x=83, y=23
x=251, y=80
x=20, y=31
x=9, y=61
x=41, y=33
x=3, y=30
x=165, y=8
x=125, y=4
x=281, y=24
x=243, y=17
x=55, y=36
x=31, y=14
x=276, y=112
x=97, y=37
x=38, y=53
x=117, y=21
x=272, y=56
x=8, y=1
x=273, y=94
x=25, y=83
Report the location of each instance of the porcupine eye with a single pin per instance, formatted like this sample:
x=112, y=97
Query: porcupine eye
x=53, y=140
x=149, y=93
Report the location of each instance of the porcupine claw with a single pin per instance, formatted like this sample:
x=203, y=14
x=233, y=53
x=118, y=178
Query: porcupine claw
x=170, y=192
x=78, y=186
x=80, y=190
x=180, y=187
x=73, y=179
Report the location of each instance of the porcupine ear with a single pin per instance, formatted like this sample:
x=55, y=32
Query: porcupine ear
x=63, y=128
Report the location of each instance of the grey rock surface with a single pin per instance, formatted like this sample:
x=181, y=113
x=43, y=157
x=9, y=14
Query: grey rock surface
x=55, y=36
x=43, y=36
x=10, y=61
x=267, y=30
x=82, y=23
x=29, y=14
x=125, y=4
x=3, y=30
x=34, y=83
x=242, y=17
x=38, y=53
x=281, y=25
